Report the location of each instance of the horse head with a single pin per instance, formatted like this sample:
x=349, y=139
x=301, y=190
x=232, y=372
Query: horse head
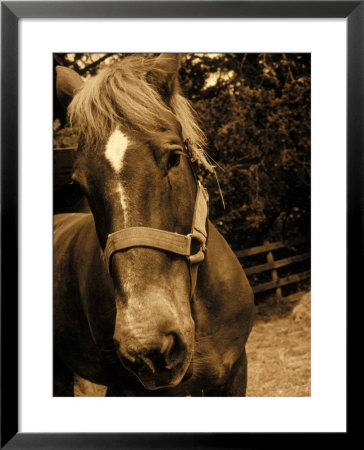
x=131, y=165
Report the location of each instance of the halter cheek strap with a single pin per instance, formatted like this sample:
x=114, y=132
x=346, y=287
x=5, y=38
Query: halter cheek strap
x=180, y=244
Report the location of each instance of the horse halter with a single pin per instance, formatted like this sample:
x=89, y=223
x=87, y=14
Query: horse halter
x=180, y=244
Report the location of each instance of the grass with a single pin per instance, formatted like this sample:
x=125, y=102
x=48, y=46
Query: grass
x=279, y=353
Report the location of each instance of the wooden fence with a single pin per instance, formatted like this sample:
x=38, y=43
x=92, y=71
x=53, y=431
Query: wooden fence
x=273, y=265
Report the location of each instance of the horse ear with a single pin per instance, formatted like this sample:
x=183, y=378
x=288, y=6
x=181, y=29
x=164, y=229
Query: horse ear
x=164, y=75
x=67, y=83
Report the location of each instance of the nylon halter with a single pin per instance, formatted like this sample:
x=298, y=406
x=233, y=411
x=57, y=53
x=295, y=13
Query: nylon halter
x=191, y=246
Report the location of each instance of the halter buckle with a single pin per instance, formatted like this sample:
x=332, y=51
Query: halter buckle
x=199, y=256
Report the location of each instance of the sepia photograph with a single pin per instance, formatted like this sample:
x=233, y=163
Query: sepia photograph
x=182, y=224
x=180, y=216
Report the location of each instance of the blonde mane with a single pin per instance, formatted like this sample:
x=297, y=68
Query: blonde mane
x=121, y=91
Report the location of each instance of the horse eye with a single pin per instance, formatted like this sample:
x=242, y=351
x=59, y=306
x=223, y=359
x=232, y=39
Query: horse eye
x=174, y=159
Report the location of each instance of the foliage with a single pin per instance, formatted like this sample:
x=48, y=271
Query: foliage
x=255, y=110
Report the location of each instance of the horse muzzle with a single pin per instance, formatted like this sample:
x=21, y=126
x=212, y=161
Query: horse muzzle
x=161, y=364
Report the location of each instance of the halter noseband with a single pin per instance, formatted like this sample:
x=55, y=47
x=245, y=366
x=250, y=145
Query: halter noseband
x=179, y=244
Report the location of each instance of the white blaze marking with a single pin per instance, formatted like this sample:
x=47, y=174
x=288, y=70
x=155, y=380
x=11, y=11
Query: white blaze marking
x=119, y=189
x=115, y=149
x=115, y=153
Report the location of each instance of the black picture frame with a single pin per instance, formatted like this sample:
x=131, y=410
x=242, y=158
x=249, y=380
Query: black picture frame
x=11, y=12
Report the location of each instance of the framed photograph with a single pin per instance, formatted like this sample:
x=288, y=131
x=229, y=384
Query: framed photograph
x=276, y=89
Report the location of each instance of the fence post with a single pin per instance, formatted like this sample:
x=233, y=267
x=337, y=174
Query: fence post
x=274, y=274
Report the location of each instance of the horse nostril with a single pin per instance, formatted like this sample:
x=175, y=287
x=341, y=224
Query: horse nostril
x=167, y=356
x=174, y=350
x=125, y=353
x=152, y=359
x=167, y=344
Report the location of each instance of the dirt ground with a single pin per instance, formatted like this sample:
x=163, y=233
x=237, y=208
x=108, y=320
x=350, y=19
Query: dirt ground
x=279, y=353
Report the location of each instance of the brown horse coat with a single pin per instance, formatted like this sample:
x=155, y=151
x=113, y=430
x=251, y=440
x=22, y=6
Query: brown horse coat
x=84, y=318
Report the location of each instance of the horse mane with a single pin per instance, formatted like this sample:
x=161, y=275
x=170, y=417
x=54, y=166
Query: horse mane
x=123, y=91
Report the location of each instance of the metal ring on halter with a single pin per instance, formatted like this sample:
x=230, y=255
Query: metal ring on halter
x=200, y=255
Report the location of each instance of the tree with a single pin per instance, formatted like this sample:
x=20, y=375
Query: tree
x=255, y=109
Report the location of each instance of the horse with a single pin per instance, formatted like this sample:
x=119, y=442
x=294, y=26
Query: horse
x=149, y=299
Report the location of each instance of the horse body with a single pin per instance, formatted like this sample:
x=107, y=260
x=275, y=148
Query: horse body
x=84, y=315
x=128, y=311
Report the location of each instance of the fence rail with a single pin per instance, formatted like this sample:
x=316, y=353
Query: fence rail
x=272, y=265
